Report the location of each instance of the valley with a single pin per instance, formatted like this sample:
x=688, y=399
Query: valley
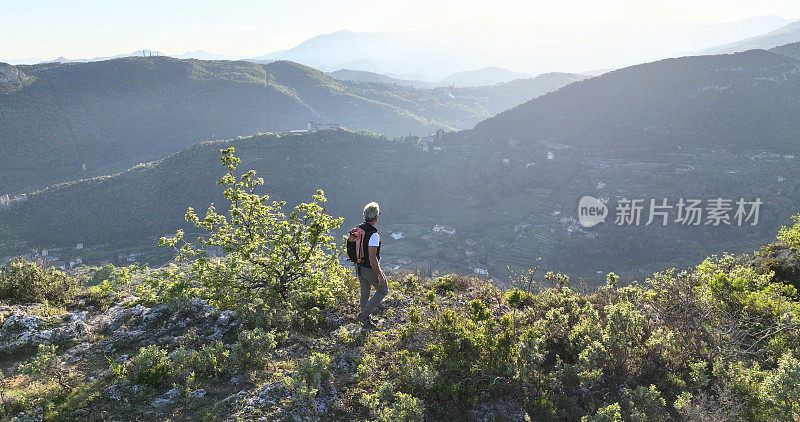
x=505, y=215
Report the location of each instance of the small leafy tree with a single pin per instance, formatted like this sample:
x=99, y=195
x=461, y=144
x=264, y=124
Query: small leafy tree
x=275, y=258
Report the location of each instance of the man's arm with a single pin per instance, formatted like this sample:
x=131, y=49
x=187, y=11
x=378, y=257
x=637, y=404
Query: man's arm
x=376, y=266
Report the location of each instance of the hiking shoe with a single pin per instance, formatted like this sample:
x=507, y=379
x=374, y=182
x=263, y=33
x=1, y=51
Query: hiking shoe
x=366, y=322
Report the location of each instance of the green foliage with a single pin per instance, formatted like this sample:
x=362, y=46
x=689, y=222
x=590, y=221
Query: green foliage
x=781, y=389
x=645, y=404
x=109, y=284
x=478, y=310
x=211, y=360
x=102, y=274
x=465, y=351
x=23, y=281
x=151, y=366
x=610, y=413
x=452, y=283
x=117, y=369
x=387, y=405
x=403, y=408
x=312, y=375
x=253, y=349
x=284, y=261
x=612, y=280
x=791, y=235
x=519, y=299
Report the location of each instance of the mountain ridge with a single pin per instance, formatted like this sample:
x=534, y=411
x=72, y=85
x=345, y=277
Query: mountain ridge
x=110, y=115
x=671, y=99
x=787, y=34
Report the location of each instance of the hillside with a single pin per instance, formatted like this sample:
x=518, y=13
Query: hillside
x=792, y=50
x=786, y=34
x=213, y=339
x=739, y=101
x=110, y=115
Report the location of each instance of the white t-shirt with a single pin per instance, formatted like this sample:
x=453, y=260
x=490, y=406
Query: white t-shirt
x=374, y=240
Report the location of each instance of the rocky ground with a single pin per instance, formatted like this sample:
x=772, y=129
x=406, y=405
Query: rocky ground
x=88, y=338
x=91, y=340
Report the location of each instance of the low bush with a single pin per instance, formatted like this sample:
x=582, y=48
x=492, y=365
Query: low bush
x=253, y=349
x=26, y=282
x=151, y=366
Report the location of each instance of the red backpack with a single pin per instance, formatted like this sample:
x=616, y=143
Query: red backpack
x=355, y=245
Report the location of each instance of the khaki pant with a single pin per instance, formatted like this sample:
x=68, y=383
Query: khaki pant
x=368, y=279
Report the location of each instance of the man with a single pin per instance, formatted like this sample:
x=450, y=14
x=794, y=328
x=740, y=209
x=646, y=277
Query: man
x=369, y=272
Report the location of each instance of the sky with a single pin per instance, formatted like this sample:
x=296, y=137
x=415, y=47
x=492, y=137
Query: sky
x=94, y=28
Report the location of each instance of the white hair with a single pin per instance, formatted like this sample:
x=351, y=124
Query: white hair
x=371, y=211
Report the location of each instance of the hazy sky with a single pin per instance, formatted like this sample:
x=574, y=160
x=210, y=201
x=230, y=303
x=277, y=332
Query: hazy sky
x=90, y=28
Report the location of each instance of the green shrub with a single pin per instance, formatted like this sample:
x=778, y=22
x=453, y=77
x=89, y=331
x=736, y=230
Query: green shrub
x=102, y=274
x=452, y=283
x=312, y=375
x=151, y=366
x=478, y=310
x=791, y=235
x=23, y=281
x=781, y=389
x=519, y=299
x=610, y=413
x=403, y=408
x=645, y=404
x=209, y=361
x=413, y=373
x=253, y=349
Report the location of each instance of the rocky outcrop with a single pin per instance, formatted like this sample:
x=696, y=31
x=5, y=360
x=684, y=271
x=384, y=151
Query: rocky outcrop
x=122, y=327
x=21, y=331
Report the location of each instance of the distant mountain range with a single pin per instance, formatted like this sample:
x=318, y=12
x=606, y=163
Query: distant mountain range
x=784, y=35
x=437, y=52
x=474, y=78
x=198, y=54
x=741, y=101
x=108, y=115
x=481, y=77
x=365, y=76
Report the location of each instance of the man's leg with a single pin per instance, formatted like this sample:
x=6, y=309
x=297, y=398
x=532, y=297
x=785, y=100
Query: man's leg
x=380, y=292
x=365, y=286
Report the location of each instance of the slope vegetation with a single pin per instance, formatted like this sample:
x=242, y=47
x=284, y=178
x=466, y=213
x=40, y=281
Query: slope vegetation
x=743, y=100
x=109, y=115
